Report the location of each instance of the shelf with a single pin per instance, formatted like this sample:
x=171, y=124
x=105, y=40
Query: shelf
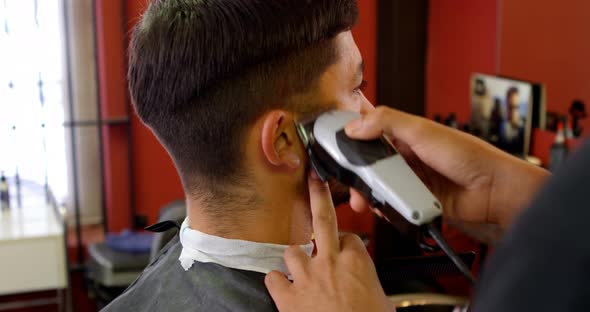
x=103, y=122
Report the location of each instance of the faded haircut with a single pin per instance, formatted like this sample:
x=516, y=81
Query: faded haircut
x=201, y=72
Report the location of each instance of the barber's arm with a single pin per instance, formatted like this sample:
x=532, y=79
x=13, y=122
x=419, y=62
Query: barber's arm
x=477, y=184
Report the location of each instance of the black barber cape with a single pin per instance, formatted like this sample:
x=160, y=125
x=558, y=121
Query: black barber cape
x=165, y=286
x=543, y=262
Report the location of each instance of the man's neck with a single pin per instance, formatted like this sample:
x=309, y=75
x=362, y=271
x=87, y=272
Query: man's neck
x=285, y=222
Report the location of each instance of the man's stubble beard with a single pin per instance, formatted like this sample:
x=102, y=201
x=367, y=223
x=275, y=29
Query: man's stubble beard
x=340, y=192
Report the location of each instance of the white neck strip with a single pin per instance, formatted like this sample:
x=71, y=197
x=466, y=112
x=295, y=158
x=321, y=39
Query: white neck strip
x=232, y=253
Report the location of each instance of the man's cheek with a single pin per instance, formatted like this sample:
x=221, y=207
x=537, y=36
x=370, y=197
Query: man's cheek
x=349, y=104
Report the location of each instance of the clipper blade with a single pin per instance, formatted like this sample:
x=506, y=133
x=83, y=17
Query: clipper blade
x=305, y=132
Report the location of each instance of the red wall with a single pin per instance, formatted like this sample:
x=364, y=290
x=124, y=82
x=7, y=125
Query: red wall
x=538, y=40
x=113, y=100
x=548, y=41
x=461, y=40
x=365, y=35
x=155, y=180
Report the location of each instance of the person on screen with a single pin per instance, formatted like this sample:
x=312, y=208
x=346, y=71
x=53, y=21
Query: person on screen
x=512, y=130
x=482, y=108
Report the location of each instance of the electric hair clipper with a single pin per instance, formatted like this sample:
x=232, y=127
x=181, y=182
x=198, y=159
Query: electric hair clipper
x=374, y=168
x=378, y=171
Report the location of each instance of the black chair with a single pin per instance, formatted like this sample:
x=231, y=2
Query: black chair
x=110, y=272
x=175, y=211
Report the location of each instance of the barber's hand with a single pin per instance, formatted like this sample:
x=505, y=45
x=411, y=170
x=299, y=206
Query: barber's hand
x=341, y=277
x=476, y=182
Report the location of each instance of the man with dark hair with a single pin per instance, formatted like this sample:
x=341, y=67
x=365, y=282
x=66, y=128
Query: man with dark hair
x=512, y=129
x=220, y=83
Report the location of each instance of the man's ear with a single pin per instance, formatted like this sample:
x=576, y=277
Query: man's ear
x=279, y=140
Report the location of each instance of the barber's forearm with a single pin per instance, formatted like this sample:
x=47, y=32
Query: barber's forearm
x=515, y=186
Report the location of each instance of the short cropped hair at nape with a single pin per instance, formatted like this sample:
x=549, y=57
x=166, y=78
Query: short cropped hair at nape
x=202, y=71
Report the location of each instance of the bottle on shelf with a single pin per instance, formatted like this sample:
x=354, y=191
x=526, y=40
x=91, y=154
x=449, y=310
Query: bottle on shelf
x=559, y=150
x=4, y=193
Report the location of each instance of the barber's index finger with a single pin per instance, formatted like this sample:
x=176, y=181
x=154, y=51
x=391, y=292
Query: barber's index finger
x=325, y=226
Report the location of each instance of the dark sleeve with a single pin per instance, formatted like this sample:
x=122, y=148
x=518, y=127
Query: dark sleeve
x=543, y=263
